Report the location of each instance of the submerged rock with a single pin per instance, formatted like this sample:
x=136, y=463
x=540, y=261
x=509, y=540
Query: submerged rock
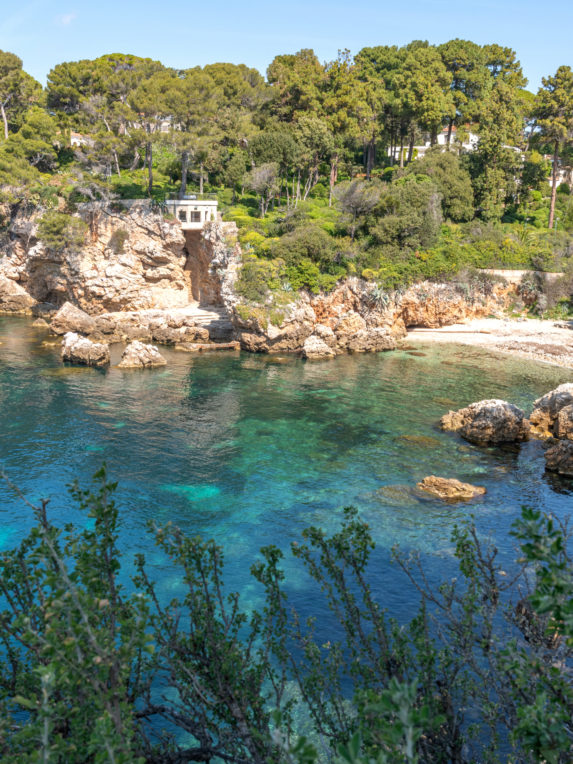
x=76, y=349
x=559, y=458
x=449, y=489
x=137, y=355
x=41, y=323
x=70, y=318
x=490, y=421
x=546, y=410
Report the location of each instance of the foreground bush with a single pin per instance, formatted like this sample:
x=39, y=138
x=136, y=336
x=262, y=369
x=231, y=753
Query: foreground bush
x=96, y=671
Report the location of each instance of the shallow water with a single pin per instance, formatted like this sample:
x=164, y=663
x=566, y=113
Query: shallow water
x=252, y=449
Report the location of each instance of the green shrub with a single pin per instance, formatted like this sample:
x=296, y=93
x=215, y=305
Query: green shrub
x=258, y=277
x=60, y=232
x=306, y=243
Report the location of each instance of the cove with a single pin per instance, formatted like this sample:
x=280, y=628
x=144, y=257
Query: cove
x=251, y=449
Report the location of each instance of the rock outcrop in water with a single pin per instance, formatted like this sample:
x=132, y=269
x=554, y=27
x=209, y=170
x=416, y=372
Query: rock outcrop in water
x=138, y=355
x=449, y=489
x=80, y=350
x=495, y=421
x=559, y=458
x=545, y=416
x=488, y=422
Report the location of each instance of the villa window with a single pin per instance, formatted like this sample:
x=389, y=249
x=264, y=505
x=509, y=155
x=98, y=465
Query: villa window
x=195, y=216
x=183, y=216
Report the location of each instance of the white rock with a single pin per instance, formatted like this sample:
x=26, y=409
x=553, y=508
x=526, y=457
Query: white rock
x=138, y=355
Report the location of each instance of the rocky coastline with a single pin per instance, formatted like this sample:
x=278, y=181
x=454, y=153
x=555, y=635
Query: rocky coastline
x=140, y=277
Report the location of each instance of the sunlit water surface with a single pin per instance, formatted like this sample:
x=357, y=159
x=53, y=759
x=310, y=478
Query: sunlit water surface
x=251, y=450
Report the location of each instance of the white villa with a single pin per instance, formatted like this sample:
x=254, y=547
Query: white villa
x=194, y=210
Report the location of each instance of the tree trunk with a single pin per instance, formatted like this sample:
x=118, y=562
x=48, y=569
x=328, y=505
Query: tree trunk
x=149, y=160
x=450, y=126
x=333, y=177
x=392, y=147
x=116, y=161
x=434, y=136
x=184, y=168
x=553, y=184
x=370, y=157
x=4, y=118
x=401, y=151
x=411, y=147
x=297, y=187
x=136, y=160
x=201, y=178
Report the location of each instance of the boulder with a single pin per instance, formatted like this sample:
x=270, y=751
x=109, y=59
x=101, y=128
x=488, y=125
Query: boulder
x=449, y=489
x=13, y=297
x=70, y=318
x=137, y=355
x=76, y=349
x=564, y=425
x=315, y=348
x=41, y=323
x=490, y=421
x=371, y=341
x=559, y=458
x=547, y=408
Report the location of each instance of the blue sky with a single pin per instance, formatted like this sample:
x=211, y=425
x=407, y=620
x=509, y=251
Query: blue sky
x=183, y=34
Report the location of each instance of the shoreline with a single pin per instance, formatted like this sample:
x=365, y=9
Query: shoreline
x=536, y=339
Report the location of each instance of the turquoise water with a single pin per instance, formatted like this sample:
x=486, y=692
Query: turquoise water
x=252, y=449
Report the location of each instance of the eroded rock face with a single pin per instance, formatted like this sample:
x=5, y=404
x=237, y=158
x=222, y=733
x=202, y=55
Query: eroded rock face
x=132, y=258
x=489, y=421
x=559, y=458
x=70, y=318
x=449, y=489
x=546, y=409
x=76, y=349
x=137, y=355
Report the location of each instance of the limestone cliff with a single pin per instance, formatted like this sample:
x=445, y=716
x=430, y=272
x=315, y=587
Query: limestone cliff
x=133, y=258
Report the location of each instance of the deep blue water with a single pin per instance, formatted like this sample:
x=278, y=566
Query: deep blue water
x=251, y=449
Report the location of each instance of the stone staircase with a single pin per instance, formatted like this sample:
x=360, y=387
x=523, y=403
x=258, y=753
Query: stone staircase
x=213, y=318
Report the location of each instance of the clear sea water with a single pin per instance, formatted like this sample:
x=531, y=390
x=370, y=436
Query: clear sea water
x=252, y=449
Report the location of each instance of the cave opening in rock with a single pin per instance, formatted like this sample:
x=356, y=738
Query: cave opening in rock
x=203, y=285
